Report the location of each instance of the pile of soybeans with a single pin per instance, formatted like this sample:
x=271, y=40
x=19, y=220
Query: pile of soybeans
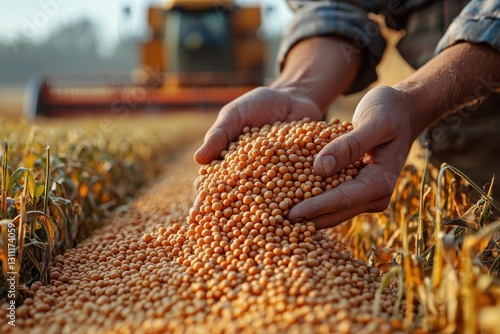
x=235, y=265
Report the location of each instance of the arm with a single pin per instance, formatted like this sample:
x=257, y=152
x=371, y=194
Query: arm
x=318, y=70
x=457, y=76
x=319, y=60
x=387, y=121
x=315, y=72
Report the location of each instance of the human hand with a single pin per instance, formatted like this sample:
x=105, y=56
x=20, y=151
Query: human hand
x=382, y=130
x=258, y=107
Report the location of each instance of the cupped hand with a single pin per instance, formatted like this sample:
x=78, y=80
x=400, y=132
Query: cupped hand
x=258, y=107
x=382, y=130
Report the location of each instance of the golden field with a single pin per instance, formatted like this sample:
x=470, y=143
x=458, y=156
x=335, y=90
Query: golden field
x=106, y=239
x=150, y=264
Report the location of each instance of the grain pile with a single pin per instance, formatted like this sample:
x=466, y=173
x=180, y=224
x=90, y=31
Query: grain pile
x=236, y=264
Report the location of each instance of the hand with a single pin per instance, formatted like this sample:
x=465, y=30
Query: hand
x=382, y=130
x=258, y=107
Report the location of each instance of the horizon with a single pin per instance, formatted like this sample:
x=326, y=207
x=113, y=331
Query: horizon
x=36, y=20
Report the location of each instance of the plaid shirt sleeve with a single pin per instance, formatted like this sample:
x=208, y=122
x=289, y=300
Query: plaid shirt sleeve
x=479, y=22
x=322, y=18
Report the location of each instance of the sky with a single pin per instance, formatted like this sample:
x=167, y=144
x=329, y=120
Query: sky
x=34, y=20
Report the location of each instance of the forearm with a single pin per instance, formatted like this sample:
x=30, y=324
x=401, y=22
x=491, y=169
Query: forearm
x=317, y=68
x=455, y=77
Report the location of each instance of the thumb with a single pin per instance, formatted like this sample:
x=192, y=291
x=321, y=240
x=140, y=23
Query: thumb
x=373, y=126
x=216, y=140
x=226, y=128
x=348, y=148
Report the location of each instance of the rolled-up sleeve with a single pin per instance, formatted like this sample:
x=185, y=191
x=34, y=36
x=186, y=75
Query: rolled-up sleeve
x=479, y=22
x=323, y=18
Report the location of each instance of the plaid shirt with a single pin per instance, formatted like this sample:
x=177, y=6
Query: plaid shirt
x=431, y=26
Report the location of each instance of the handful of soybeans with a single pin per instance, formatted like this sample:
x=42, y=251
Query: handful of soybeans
x=269, y=169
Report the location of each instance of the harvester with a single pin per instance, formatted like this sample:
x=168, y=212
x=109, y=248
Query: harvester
x=200, y=54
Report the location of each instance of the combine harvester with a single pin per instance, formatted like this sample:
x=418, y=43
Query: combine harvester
x=200, y=54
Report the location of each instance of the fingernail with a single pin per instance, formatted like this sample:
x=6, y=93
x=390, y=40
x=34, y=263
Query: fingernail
x=327, y=164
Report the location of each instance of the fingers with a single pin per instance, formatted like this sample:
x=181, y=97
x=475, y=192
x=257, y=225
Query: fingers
x=334, y=219
x=367, y=192
x=247, y=110
x=261, y=106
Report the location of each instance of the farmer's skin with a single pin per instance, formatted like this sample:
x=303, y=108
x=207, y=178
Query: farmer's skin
x=386, y=121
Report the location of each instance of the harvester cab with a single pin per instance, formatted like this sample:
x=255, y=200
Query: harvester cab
x=199, y=54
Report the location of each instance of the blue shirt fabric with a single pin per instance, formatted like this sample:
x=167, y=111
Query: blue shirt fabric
x=430, y=26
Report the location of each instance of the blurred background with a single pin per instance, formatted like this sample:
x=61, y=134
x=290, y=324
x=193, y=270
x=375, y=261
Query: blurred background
x=69, y=41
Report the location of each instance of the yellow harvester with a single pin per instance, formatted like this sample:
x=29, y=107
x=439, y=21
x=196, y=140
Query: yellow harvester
x=201, y=53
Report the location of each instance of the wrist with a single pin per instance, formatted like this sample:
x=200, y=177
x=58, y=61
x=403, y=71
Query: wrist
x=316, y=69
x=294, y=91
x=447, y=82
x=411, y=105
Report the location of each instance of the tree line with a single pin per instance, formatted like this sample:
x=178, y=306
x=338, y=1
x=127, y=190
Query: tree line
x=72, y=48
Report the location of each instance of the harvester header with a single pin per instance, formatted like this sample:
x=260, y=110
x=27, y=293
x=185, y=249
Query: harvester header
x=199, y=54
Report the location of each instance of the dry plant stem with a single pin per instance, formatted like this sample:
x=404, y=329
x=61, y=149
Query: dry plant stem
x=410, y=286
x=386, y=281
x=3, y=196
x=47, y=177
x=495, y=266
x=420, y=242
x=439, y=256
x=400, y=295
x=486, y=207
x=437, y=268
x=21, y=233
x=484, y=195
x=468, y=255
x=5, y=243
